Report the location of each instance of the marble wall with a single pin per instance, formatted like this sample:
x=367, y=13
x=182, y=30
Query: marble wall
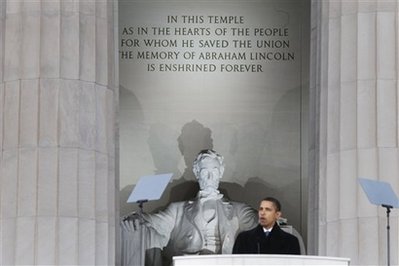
x=354, y=86
x=58, y=98
x=253, y=118
x=57, y=132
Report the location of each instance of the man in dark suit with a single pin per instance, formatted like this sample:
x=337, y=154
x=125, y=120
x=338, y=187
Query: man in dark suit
x=267, y=237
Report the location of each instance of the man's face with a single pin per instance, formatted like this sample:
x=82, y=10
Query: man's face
x=209, y=174
x=268, y=214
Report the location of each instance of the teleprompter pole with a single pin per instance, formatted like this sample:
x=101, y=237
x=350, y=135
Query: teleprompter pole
x=142, y=229
x=388, y=207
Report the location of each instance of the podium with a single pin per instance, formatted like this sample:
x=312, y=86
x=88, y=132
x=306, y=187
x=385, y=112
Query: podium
x=253, y=259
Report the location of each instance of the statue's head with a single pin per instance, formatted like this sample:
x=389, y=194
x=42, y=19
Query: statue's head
x=208, y=168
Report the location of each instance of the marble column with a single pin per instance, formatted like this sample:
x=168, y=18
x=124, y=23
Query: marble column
x=355, y=73
x=58, y=95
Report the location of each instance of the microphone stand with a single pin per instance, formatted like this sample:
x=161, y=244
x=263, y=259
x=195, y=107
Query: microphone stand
x=388, y=207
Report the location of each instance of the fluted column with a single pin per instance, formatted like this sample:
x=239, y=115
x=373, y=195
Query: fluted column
x=358, y=126
x=57, y=116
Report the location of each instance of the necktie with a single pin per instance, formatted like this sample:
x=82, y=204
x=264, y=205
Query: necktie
x=267, y=233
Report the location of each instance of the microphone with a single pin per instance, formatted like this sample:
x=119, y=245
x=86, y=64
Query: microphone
x=258, y=244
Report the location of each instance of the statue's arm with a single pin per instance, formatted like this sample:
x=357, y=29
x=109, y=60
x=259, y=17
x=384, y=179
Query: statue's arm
x=140, y=232
x=162, y=223
x=131, y=240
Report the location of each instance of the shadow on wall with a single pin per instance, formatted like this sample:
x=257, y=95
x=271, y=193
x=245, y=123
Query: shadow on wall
x=284, y=157
x=256, y=189
x=193, y=138
x=276, y=181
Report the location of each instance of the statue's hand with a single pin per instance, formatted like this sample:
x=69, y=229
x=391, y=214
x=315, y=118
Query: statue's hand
x=131, y=222
x=132, y=239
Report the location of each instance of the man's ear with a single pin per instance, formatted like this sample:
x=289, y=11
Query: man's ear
x=278, y=214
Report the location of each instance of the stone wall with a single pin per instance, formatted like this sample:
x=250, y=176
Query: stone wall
x=57, y=118
x=355, y=72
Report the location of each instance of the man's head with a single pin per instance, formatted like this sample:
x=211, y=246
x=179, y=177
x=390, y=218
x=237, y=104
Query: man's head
x=269, y=211
x=208, y=168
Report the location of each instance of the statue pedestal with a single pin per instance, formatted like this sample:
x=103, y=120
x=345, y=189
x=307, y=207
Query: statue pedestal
x=253, y=259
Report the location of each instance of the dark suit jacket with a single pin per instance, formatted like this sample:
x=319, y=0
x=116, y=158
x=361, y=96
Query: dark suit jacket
x=255, y=241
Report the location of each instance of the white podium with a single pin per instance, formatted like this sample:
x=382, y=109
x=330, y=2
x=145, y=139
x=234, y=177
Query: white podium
x=210, y=260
